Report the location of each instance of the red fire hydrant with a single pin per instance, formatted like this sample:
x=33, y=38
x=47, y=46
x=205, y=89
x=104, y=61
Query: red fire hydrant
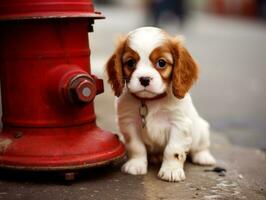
x=47, y=87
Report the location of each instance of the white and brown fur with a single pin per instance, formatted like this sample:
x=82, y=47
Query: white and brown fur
x=173, y=126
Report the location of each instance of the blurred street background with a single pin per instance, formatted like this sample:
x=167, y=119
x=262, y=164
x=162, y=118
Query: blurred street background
x=226, y=37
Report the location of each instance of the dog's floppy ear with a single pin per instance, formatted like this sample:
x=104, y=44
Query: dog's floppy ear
x=114, y=68
x=185, y=71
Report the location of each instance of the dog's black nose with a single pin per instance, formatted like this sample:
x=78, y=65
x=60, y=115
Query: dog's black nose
x=144, y=81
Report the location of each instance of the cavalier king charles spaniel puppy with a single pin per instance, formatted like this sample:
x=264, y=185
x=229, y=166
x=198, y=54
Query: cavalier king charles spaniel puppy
x=151, y=73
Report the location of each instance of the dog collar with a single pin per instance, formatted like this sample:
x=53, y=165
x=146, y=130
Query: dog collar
x=159, y=96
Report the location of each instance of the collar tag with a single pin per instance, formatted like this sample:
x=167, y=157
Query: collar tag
x=143, y=112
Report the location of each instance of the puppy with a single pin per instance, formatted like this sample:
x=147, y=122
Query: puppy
x=151, y=72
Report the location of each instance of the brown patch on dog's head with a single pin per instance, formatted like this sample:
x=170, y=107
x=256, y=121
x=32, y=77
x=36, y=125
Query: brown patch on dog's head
x=129, y=60
x=120, y=66
x=178, y=65
x=162, y=61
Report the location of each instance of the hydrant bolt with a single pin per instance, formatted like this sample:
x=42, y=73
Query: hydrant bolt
x=82, y=89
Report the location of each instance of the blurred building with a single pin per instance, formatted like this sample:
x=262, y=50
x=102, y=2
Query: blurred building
x=157, y=9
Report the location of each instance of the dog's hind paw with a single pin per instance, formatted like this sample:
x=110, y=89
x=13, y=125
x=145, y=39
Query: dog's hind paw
x=203, y=158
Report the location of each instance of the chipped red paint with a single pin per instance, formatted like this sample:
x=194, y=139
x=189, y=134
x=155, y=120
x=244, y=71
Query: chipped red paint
x=48, y=89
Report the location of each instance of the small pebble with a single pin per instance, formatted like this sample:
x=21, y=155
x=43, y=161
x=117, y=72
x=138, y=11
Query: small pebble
x=240, y=176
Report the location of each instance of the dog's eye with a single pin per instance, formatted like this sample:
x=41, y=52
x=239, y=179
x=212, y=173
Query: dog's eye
x=161, y=63
x=131, y=63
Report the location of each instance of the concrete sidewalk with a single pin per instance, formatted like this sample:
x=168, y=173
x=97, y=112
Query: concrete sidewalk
x=245, y=179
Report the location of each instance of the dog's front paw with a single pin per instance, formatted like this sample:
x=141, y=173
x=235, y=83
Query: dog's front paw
x=203, y=158
x=172, y=173
x=135, y=166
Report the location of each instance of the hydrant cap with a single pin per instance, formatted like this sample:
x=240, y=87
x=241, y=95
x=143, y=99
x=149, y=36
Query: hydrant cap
x=32, y=9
